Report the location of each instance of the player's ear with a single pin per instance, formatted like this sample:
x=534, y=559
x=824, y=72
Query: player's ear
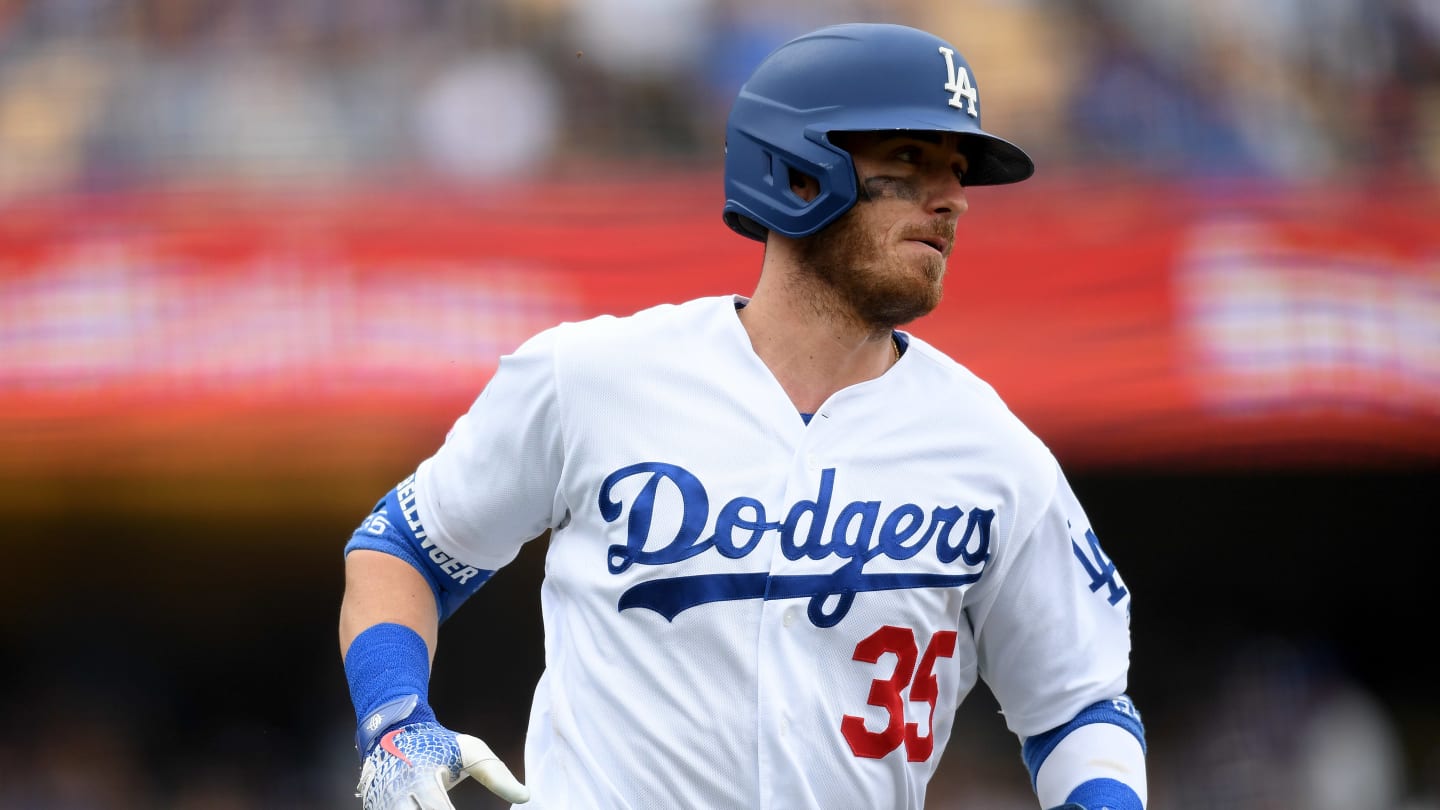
x=804, y=186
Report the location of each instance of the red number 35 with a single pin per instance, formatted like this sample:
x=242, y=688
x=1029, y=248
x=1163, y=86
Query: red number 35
x=886, y=693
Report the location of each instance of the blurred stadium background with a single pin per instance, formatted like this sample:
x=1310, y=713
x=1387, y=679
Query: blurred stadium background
x=256, y=255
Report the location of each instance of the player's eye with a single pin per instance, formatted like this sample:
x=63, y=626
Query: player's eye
x=908, y=154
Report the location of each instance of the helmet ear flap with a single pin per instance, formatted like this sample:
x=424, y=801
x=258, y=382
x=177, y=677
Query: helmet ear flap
x=759, y=178
x=748, y=227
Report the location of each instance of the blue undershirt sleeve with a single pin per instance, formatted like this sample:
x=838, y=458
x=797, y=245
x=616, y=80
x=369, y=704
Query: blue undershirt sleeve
x=393, y=530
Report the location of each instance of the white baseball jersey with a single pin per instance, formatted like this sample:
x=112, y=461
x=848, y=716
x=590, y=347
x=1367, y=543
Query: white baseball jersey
x=745, y=610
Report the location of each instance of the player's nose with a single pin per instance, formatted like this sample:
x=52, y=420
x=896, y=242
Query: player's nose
x=947, y=195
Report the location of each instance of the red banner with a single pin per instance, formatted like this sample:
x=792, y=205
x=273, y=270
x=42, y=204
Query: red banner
x=1126, y=324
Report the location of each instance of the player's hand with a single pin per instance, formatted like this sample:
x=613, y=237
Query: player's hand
x=413, y=767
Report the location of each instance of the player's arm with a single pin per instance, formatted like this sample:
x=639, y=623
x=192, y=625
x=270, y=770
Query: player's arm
x=389, y=623
x=380, y=588
x=1094, y=762
x=426, y=547
x=1053, y=636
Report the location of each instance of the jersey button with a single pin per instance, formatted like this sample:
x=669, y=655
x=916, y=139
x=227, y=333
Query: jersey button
x=790, y=614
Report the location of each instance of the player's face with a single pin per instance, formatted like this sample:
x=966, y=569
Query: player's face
x=886, y=256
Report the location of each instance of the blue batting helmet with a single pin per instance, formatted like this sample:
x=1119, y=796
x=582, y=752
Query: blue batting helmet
x=859, y=77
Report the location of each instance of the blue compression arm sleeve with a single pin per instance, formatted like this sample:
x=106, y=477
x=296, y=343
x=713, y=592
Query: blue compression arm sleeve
x=393, y=527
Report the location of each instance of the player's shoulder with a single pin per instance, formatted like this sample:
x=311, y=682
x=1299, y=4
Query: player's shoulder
x=967, y=410
x=964, y=395
x=934, y=367
x=658, y=337
x=680, y=315
x=656, y=326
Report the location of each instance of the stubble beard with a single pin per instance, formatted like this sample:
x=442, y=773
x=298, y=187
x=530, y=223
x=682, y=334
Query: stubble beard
x=856, y=278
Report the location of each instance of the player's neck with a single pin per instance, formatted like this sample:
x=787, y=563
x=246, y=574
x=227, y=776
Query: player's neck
x=811, y=351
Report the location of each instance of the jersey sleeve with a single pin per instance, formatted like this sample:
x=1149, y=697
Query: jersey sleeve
x=493, y=484
x=1054, y=636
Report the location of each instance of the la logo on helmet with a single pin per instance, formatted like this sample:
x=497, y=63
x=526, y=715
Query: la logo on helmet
x=958, y=85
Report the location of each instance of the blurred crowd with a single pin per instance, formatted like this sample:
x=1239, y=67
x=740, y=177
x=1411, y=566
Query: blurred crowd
x=100, y=94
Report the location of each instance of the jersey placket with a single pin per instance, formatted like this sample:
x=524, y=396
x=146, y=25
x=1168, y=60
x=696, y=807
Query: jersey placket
x=778, y=646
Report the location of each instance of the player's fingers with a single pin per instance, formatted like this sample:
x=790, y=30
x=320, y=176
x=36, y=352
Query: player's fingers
x=430, y=793
x=479, y=761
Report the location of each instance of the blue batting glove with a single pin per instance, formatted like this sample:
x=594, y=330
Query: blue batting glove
x=414, y=766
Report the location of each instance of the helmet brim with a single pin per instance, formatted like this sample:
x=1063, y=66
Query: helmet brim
x=994, y=161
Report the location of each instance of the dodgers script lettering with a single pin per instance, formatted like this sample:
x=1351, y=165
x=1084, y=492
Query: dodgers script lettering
x=812, y=528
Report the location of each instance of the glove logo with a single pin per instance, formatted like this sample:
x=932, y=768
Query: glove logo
x=388, y=743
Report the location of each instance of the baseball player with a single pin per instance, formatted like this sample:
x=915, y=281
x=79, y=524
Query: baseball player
x=786, y=539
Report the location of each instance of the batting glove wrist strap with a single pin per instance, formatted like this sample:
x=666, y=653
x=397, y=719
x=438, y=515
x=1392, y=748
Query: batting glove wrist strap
x=388, y=667
x=386, y=717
